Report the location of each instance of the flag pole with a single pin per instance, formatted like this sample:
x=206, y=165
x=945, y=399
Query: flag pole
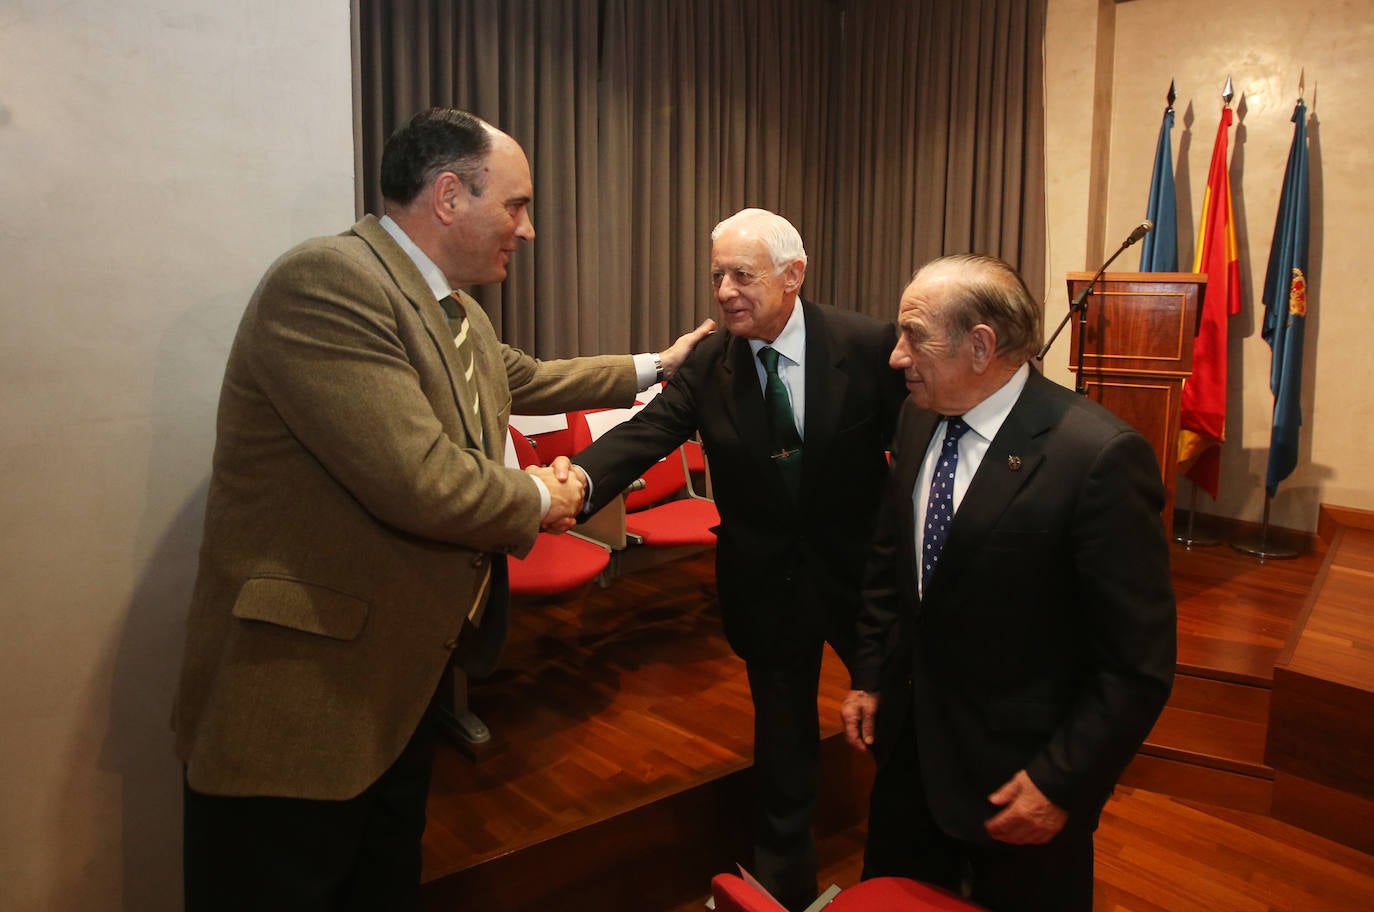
x=1188, y=538
x=1260, y=547
x=1285, y=300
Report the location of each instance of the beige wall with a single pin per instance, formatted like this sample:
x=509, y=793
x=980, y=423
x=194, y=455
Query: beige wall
x=155, y=156
x=1263, y=45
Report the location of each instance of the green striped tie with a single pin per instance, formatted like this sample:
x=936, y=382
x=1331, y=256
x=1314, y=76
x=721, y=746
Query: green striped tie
x=461, y=329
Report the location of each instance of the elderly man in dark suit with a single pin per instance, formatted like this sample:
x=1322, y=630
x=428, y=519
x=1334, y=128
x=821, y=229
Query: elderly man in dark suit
x=357, y=527
x=1018, y=617
x=795, y=406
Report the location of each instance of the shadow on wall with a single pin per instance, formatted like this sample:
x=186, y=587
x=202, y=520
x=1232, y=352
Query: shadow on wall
x=129, y=835
x=127, y=844
x=138, y=747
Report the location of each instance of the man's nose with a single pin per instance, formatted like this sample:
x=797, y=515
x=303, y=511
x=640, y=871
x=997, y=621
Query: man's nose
x=899, y=360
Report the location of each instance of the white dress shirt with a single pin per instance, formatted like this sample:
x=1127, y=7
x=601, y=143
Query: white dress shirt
x=791, y=348
x=984, y=420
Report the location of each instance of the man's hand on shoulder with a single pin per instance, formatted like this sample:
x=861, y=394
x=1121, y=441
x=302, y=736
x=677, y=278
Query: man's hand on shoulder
x=1027, y=816
x=672, y=357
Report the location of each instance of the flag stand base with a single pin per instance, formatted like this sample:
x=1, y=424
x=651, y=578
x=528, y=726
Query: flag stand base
x=1261, y=548
x=1190, y=539
x=1263, y=551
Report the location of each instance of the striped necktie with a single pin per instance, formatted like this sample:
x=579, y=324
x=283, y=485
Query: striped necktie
x=467, y=352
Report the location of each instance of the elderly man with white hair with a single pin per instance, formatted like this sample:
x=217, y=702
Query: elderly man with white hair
x=795, y=404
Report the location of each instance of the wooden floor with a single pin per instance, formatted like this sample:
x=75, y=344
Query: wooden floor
x=629, y=694
x=605, y=704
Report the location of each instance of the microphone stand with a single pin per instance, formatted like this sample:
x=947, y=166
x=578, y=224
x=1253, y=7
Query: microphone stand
x=1079, y=305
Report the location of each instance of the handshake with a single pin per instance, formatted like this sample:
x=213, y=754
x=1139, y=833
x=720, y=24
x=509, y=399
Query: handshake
x=567, y=493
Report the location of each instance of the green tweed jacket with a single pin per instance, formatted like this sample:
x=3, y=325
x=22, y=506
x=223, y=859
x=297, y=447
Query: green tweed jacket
x=352, y=518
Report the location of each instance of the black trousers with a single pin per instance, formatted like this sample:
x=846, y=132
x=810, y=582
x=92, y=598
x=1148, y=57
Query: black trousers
x=786, y=773
x=904, y=841
x=299, y=855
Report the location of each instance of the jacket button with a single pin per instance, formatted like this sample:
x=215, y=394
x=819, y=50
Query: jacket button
x=451, y=644
x=479, y=561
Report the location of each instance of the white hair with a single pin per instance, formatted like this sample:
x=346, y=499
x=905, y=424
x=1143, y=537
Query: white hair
x=782, y=240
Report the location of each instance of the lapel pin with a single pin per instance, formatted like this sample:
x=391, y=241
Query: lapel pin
x=1014, y=463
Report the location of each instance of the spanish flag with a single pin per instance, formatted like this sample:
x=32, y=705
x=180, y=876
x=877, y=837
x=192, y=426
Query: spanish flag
x=1203, y=410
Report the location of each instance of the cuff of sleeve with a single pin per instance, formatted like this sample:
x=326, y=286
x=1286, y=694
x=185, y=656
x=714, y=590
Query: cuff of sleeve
x=587, y=480
x=545, y=500
x=648, y=370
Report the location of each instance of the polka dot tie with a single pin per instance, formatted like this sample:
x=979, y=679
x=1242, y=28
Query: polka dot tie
x=940, y=501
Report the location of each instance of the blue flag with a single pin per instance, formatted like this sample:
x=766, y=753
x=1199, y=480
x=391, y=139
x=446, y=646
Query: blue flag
x=1159, y=253
x=1285, y=307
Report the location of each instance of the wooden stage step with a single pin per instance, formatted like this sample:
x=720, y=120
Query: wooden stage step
x=1235, y=617
x=1208, y=745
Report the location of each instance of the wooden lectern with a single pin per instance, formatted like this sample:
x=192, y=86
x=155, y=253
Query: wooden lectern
x=1136, y=351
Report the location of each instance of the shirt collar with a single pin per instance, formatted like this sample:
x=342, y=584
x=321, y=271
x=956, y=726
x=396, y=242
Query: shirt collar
x=433, y=276
x=791, y=342
x=986, y=418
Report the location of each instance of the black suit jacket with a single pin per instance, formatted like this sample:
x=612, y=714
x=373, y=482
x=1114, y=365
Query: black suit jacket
x=787, y=570
x=1046, y=641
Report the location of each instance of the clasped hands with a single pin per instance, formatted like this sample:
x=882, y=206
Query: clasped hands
x=567, y=493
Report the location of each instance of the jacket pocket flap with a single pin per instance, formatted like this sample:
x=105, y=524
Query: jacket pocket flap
x=301, y=606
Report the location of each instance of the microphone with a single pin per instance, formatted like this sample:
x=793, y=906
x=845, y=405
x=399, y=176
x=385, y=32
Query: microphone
x=1079, y=303
x=1136, y=234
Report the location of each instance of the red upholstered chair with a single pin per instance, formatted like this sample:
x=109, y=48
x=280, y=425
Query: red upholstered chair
x=548, y=433
x=672, y=523
x=897, y=894
x=732, y=893
x=557, y=563
x=881, y=894
x=665, y=512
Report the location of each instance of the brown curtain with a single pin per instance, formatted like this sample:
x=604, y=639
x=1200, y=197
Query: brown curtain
x=941, y=142
x=887, y=132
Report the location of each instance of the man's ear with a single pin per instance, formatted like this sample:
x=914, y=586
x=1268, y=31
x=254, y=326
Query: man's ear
x=793, y=275
x=446, y=196
x=983, y=340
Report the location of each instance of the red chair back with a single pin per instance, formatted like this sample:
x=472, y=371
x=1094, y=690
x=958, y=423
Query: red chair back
x=525, y=453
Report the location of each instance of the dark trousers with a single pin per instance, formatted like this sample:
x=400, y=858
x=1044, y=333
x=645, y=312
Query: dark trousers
x=299, y=855
x=904, y=841
x=786, y=773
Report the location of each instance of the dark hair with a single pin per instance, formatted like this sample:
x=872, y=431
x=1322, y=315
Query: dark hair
x=434, y=141
x=991, y=292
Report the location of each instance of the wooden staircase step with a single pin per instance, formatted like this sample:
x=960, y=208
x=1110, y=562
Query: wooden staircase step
x=1216, y=724
x=1209, y=740
x=1208, y=745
